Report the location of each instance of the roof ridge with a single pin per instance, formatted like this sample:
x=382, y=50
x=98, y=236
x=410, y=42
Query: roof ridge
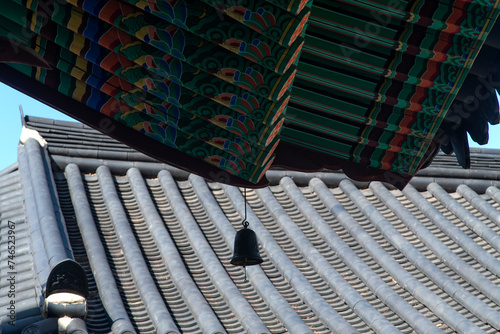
x=41, y=208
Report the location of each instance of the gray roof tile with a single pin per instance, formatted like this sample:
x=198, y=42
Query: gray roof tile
x=83, y=226
x=339, y=256
x=19, y=262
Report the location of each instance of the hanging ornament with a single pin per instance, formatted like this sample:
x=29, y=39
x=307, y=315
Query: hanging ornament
x=246, y=246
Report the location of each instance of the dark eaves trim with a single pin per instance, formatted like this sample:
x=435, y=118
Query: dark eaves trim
x=303, y=288
x=250, y=321
x=197, y=304
x=416, y=320
x=265, y=288
x=400, y=275
x=487, y=260
x=153, y=302
x=446, y=283
x=341, y=287
x=106, y=285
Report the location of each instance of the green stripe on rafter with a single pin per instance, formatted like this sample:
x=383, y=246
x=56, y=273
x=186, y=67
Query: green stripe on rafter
x=322, y=124
x=336, y=80
x=328, y=105
x=306, y=140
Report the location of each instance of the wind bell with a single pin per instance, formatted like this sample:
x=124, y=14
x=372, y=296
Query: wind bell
x=246, y=246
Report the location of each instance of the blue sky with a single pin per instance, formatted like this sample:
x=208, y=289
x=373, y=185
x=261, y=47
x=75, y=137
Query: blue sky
x=10, y=127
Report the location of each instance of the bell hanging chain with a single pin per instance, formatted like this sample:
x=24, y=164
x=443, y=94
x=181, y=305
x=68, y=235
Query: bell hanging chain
x=245, y=222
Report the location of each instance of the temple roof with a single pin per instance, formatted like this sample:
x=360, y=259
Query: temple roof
x=339, y=256
x=227, y=90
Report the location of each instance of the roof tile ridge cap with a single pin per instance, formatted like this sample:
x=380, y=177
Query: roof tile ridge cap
x=475, y=305
x=238, y=303
x=52, y=121
x=203, y=313
x=336, y=282
x=395, y=302
x=282, y=262
x=479, y=150
x=27, y=133
x=465, y=216
x=487, y=260
x=57, y=205
x=88, y=152
x=262, y=284
x=443, y=172
x=40, y=265
x=108, y=290
x=154, y=304
x=417, y=289
x=57, y=247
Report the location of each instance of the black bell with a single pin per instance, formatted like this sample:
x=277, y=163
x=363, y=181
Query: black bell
x=246, y=248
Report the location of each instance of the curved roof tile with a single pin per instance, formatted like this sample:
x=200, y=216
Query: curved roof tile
x=339, y=256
